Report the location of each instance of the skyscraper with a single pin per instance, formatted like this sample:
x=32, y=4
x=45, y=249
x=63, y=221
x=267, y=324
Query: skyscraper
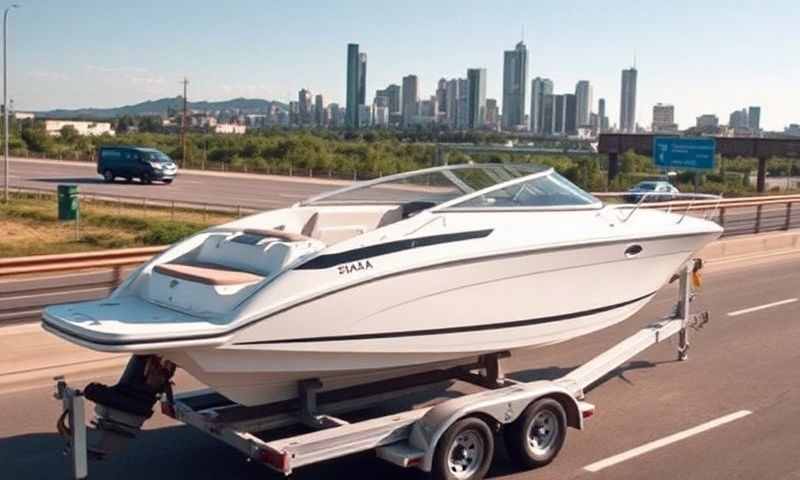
x=462, y=111
x=739, y=120
x=335, y=115
x=410, y=99
x=601, y=115
x=476, y=97
x=540, y=87
x=451, y=97
x=353, y=83
x=571, y=114
x=362, y=79
x=627, y=111
x=559, y=114
x=548, y=114
x=441, y=97
x=583, y=98
x=304, y=107
x=754, y=118
x=492, y=112
x=392, y=94
x=515, y=82
x=319, y=111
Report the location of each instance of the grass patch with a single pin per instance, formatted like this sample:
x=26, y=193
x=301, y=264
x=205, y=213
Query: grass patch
x=30, y=226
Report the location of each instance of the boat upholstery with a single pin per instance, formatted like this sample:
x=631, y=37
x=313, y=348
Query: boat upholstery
x=207, y=274
x=279, y=234
x=335, y=225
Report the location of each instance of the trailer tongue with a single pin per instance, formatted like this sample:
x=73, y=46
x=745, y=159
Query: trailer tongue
x=451, y=439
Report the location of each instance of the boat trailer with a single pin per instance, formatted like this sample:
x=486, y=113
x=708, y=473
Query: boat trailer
x=450, y=439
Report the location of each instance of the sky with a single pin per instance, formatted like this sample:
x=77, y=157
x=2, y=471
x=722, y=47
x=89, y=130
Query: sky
x=702, y=57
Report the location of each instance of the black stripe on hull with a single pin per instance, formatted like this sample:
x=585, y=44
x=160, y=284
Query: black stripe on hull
x=334, y=259
x=445, y=331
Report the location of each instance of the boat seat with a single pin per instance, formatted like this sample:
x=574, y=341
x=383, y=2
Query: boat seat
x=334, y=226
x=207, y=274
x=279, y=234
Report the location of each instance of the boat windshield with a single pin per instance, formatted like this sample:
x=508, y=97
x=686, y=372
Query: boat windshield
x=549, y=190
x=433, y=185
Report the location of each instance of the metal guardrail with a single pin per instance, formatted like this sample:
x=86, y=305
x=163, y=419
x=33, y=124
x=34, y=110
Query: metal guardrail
x=739, y=216
x=144, y=203
x=28, y=284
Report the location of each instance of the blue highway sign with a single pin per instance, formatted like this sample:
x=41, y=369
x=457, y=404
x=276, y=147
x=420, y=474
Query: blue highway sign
x=683, y=153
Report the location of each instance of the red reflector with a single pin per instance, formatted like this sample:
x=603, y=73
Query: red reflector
x=168, y=409
x=588, y=413
x=275, y=459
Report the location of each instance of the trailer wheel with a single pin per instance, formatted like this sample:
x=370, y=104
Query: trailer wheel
x=464, y=452
x=535, y=438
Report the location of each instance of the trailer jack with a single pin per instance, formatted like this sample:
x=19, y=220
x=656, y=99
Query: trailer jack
x=120, y=410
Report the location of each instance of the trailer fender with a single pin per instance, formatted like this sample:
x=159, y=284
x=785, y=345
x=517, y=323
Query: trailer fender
x=501, y=406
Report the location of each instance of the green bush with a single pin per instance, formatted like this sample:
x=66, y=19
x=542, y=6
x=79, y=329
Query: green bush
x=165, y=233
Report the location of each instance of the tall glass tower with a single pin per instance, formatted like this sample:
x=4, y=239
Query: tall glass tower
x=515, y=82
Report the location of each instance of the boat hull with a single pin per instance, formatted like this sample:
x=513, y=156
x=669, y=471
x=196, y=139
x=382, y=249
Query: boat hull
x=414, y=321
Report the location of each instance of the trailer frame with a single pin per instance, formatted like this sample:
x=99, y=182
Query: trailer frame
x=408, y=438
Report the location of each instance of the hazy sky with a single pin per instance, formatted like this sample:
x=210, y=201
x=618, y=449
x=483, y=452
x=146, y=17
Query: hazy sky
x=703, y=57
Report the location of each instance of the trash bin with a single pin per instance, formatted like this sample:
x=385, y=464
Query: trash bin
x=68, y=203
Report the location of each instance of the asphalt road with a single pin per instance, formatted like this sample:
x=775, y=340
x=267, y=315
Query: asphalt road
x=266, y=191
x=232, y=189
x=742, y=362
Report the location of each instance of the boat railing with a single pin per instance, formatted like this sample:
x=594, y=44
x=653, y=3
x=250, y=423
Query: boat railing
x=685, y=203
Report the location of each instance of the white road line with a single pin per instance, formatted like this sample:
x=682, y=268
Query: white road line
x=761, y=307
x=648, y=447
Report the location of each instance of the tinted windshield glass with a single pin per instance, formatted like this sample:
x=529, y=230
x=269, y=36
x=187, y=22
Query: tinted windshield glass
x=551, y=190
x=646, y=186
x=434, y=185
x=155, y=156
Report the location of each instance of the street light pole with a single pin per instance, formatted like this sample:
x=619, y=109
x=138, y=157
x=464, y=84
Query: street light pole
x=5, y=102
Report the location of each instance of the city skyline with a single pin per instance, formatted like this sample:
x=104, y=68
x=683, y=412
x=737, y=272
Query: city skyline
x=61, y=58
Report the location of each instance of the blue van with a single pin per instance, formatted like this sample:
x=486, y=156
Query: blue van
x=146, y=164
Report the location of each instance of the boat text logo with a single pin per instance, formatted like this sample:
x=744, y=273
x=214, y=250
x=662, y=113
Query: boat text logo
x=355, y=267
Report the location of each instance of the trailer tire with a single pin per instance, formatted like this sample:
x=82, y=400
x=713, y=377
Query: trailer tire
x=464, y=452
x=534, y=439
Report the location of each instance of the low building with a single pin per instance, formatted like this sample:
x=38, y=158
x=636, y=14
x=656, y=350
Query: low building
x=664, y=119
x=53, y=127
x=199, y=120
x=380, y=116
x=793, y=130
x=24, y=115
x=231, y=128
x=364, y=116
x=707, y=121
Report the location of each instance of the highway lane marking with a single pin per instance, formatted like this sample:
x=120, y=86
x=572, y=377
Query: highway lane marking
x=761, y=307
x=676, y=437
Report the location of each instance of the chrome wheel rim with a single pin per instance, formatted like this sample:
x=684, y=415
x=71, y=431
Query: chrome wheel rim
x=466, y=454
x=543, y=433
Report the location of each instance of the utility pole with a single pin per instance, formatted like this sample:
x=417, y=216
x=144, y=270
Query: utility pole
x=5, y=103
x=185, y=83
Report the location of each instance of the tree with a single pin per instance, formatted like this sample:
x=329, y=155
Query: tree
x=69, y=134
x=36, y=137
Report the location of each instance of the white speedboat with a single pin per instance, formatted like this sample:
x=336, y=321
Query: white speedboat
x=389, y=276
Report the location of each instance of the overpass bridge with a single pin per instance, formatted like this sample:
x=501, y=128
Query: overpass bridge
x=761, y=149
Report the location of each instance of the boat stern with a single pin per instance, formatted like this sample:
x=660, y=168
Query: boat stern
x=130, y=324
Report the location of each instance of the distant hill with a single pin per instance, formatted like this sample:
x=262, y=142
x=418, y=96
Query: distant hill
x=161, y=106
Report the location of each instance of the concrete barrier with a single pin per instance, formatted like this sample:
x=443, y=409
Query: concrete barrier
x=773, y=242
